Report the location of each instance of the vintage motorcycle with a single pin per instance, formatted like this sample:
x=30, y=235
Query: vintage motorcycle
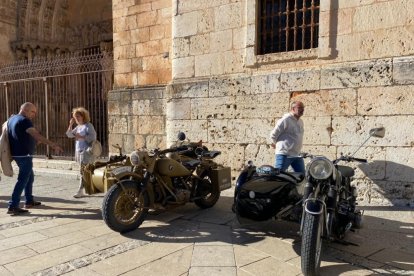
x=171, y=177
x=329, y=204
x=323, y=202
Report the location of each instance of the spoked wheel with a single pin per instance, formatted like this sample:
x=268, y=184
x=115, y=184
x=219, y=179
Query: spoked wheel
x=311, y=244
x=210, y=194
x=125, y=206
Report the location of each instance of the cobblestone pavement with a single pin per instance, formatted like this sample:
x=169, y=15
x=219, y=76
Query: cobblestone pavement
x=67, y=236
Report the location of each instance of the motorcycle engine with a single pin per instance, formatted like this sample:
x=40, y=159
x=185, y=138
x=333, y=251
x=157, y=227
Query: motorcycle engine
x=183, y=195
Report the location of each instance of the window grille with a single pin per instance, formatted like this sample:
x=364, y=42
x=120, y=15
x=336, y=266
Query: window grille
x=287, y=25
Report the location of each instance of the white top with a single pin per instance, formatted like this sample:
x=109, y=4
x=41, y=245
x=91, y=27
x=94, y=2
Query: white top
x=288, y=135
x=87, y=131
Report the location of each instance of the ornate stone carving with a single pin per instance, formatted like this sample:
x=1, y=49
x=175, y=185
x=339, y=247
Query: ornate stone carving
x=43, y=30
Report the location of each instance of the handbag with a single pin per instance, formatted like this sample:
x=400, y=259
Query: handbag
x=95, y=148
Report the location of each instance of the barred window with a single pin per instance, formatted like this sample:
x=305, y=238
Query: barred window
x=287, y=25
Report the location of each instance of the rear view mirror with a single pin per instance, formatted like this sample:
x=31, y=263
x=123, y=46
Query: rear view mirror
x=378, y=132
x=181, y=136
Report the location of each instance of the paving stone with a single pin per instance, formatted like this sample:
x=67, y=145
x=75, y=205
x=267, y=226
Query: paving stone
x=69, y=228
x=43, y=261
x=213, y=271
x=213, y=255
x=186, y=240
x=104, y=241
x=245, y=255
x=215, y=234
x=59, y=242
x=271, y=266
x=21, y=240
x=15, y=254
x=177, y=263
x=135, y=258
x=396, y=258
x=83, y=271
x=277, y=248
x=4, y=271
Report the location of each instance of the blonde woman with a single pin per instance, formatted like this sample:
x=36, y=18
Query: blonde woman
x=84, y=134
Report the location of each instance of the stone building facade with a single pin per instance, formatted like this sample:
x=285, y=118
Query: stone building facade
x=32, y=29
x=193, y=66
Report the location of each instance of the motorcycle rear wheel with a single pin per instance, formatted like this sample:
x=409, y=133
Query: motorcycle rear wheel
x=210, y=199
x=311, y=247
x=124, y=209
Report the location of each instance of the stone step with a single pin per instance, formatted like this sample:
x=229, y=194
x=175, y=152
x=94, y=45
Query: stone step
x=56, y=168
x=66, y=169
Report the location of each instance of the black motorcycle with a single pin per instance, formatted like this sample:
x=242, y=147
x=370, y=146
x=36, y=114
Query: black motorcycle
x=323, y=202
x=329, y=205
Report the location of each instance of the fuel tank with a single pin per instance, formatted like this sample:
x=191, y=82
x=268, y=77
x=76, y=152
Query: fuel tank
x=170, y=167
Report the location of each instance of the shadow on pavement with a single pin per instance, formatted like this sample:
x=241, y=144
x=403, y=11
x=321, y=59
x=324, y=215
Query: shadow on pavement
x=382, y=243
x=79, y=211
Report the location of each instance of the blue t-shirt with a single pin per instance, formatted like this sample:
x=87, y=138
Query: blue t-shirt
x=21, y=142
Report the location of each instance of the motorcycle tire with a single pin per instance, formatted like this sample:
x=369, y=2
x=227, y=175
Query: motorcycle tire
x=211, y=198
x=311, y=247
x=119, y=209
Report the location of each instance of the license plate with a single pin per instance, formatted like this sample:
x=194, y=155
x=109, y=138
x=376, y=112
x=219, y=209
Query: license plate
x=120, y=170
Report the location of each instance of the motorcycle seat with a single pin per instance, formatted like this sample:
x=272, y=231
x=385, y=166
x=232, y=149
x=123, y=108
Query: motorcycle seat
x=191, y=163
x=211, y=154
x=99, y=164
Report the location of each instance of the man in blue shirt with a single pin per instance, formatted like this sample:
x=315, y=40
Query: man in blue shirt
x=23, y=138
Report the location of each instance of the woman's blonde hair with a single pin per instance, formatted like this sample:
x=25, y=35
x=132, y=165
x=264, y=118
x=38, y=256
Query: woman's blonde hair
x=83, y=112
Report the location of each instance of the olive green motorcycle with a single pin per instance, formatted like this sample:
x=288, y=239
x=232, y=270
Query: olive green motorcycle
x=171, y=177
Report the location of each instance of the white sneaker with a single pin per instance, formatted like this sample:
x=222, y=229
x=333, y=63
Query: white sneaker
x=79, y=194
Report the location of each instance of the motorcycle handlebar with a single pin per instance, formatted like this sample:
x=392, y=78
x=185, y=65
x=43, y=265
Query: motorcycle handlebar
x=362, y=160
x=350, y=159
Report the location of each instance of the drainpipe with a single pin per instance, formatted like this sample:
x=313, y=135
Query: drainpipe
x=48, y=155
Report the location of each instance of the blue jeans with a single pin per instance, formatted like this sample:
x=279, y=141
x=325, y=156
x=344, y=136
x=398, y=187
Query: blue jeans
x=283, y=162
x=24, y=181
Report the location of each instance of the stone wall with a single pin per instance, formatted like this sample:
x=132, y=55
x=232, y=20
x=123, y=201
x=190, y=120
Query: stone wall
x=358, y=78
x=44, y=29
x=8, y=10
x=221, y=92
x=142, y=40
x=136, y=118
x=236, y=115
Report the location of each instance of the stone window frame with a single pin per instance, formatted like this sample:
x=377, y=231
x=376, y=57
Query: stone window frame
x=251, y=59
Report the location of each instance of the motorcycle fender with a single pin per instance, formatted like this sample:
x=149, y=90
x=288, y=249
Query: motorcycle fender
x=147, y=188
x=313, y=206
x=116, y=178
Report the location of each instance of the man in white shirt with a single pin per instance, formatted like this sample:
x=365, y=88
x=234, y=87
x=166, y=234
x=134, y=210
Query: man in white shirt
x=287, y=139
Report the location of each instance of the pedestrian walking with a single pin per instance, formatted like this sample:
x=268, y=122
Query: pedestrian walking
x=84, y=134
x=287, y=138
x=23, y=137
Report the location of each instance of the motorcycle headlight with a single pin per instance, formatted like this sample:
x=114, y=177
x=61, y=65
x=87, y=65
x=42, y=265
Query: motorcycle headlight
x=135, y=158
x=320, y=168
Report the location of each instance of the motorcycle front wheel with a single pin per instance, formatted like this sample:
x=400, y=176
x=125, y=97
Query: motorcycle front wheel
x=125, y=206
x=311, y=244
x=210, y=194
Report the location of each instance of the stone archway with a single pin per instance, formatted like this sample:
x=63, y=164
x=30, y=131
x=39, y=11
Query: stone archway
x=46, y=28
